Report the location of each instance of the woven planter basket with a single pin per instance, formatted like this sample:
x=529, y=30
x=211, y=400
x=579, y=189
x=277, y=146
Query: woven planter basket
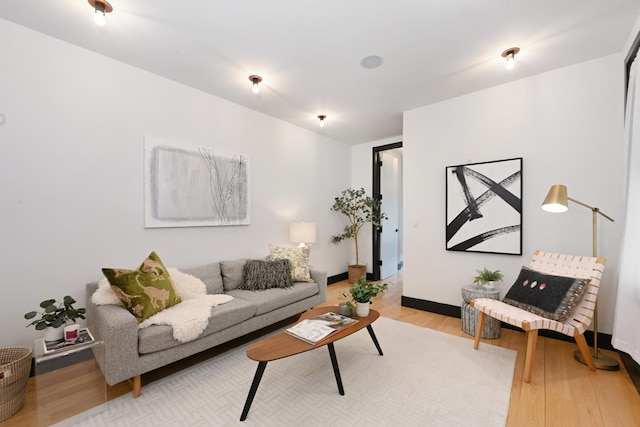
x=15, y=365
x=356, y=272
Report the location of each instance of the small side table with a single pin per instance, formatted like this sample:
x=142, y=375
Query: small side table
x=69, y=384
x=491, y=328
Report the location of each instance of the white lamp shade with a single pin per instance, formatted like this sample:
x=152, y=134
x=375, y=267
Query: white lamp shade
x=302, y=232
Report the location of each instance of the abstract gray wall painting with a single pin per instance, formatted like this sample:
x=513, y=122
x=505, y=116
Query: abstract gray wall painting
x=195, y=186
x=484, y=207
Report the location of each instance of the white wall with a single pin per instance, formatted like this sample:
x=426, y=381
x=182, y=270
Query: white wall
x=71, y=174
x=566, y=125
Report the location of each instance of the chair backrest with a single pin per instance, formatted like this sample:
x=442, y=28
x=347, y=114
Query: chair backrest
x=574, y=266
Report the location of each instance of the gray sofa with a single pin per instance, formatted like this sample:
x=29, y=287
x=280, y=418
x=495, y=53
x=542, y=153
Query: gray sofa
x=130, y=352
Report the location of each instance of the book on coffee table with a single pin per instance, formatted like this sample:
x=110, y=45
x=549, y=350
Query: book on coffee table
x=320, y=327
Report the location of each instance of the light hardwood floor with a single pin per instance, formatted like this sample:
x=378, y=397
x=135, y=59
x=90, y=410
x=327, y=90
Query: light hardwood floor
x=562, y=392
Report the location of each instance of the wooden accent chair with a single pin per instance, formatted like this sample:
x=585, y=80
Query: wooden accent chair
x=560, y=265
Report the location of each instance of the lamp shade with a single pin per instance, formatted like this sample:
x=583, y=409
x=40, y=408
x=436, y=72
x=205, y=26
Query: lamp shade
x=556, y=200
x=302, y=232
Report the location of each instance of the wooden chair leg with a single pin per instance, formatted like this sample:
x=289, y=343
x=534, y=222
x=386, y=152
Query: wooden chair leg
x=532, y=339
x=584, y=349
x=136, y=384
x=481, y=316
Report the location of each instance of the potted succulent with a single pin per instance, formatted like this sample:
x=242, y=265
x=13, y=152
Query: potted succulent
x=362, y=292
x=55, y=314
x=487, y=277
x=359, y=210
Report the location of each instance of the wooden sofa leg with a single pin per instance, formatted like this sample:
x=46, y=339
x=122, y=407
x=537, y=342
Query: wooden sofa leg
x=481, y=316
x=136, y=384
x=584, y=349
x=532, y=338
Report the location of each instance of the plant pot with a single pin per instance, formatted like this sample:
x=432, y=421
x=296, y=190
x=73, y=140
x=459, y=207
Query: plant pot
x=53, y=334
x=344, y=309
x=362, y=309
x=356, y=272
x=490, y=285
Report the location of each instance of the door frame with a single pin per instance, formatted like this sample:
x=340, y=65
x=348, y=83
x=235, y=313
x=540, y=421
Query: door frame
x=376, y=240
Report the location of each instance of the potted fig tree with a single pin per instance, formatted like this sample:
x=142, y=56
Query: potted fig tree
x=360, y=210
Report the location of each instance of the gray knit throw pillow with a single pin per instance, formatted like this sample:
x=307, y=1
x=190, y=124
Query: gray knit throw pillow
x=260, y=275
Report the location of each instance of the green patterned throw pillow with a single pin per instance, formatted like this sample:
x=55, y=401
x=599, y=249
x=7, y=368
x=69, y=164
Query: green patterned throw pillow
x=299, y=259
x=145, y=291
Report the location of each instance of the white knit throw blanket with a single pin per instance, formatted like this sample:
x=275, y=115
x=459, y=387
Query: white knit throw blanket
x=188, y=318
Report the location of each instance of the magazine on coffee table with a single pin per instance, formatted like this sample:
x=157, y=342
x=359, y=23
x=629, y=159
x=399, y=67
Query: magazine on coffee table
x=320, y=327
x=84, y=337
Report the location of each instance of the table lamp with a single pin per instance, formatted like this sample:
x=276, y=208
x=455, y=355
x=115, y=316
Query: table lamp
x=557, y=201
x=302, y=233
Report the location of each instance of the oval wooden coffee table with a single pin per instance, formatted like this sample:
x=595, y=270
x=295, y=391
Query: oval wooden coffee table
x=283, y=345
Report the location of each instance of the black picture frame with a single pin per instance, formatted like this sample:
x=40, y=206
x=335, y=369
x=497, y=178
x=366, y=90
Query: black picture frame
x=484, y=207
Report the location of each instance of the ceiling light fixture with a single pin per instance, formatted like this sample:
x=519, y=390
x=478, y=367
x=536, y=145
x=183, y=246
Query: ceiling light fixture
x=510, y=55
x=255, y=79
x=321, y=119
x=101, y=7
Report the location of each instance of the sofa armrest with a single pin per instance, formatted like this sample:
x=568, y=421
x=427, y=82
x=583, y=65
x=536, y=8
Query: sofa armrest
x=118, y=328
x=320, y=277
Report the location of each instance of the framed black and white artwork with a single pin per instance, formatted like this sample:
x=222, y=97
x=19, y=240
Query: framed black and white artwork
x=188, y=186
x=484, y=207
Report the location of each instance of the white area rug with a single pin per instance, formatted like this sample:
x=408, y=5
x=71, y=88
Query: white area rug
x=425, y=378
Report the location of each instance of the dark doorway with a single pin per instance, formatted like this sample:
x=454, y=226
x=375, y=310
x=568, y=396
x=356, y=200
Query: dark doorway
x=378, y=194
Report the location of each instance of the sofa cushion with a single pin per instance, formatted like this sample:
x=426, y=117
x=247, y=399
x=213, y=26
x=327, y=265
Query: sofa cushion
x=299, y=258
x=232, y=273
x=553, y=297
x=159, y=337
x=271, y=299
x=146, y=290
x=210, y=274
x=260, y=275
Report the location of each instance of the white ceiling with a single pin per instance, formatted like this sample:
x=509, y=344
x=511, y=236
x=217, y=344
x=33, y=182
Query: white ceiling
x=309, y=52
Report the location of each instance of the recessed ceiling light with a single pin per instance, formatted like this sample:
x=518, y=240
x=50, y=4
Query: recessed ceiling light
x=371, y=61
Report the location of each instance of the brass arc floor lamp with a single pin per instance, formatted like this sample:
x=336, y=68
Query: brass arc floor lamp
x=557, y=201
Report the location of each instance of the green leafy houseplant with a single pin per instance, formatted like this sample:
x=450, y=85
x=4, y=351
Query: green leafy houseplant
x=485, y=276
x=55, y=314
x=359, y=210
x=362, y=291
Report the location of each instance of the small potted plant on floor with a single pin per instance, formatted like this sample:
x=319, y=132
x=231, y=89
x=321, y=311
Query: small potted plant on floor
x=487, y=277
x=362, y=292
x=359, y=210
x=55, y=314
